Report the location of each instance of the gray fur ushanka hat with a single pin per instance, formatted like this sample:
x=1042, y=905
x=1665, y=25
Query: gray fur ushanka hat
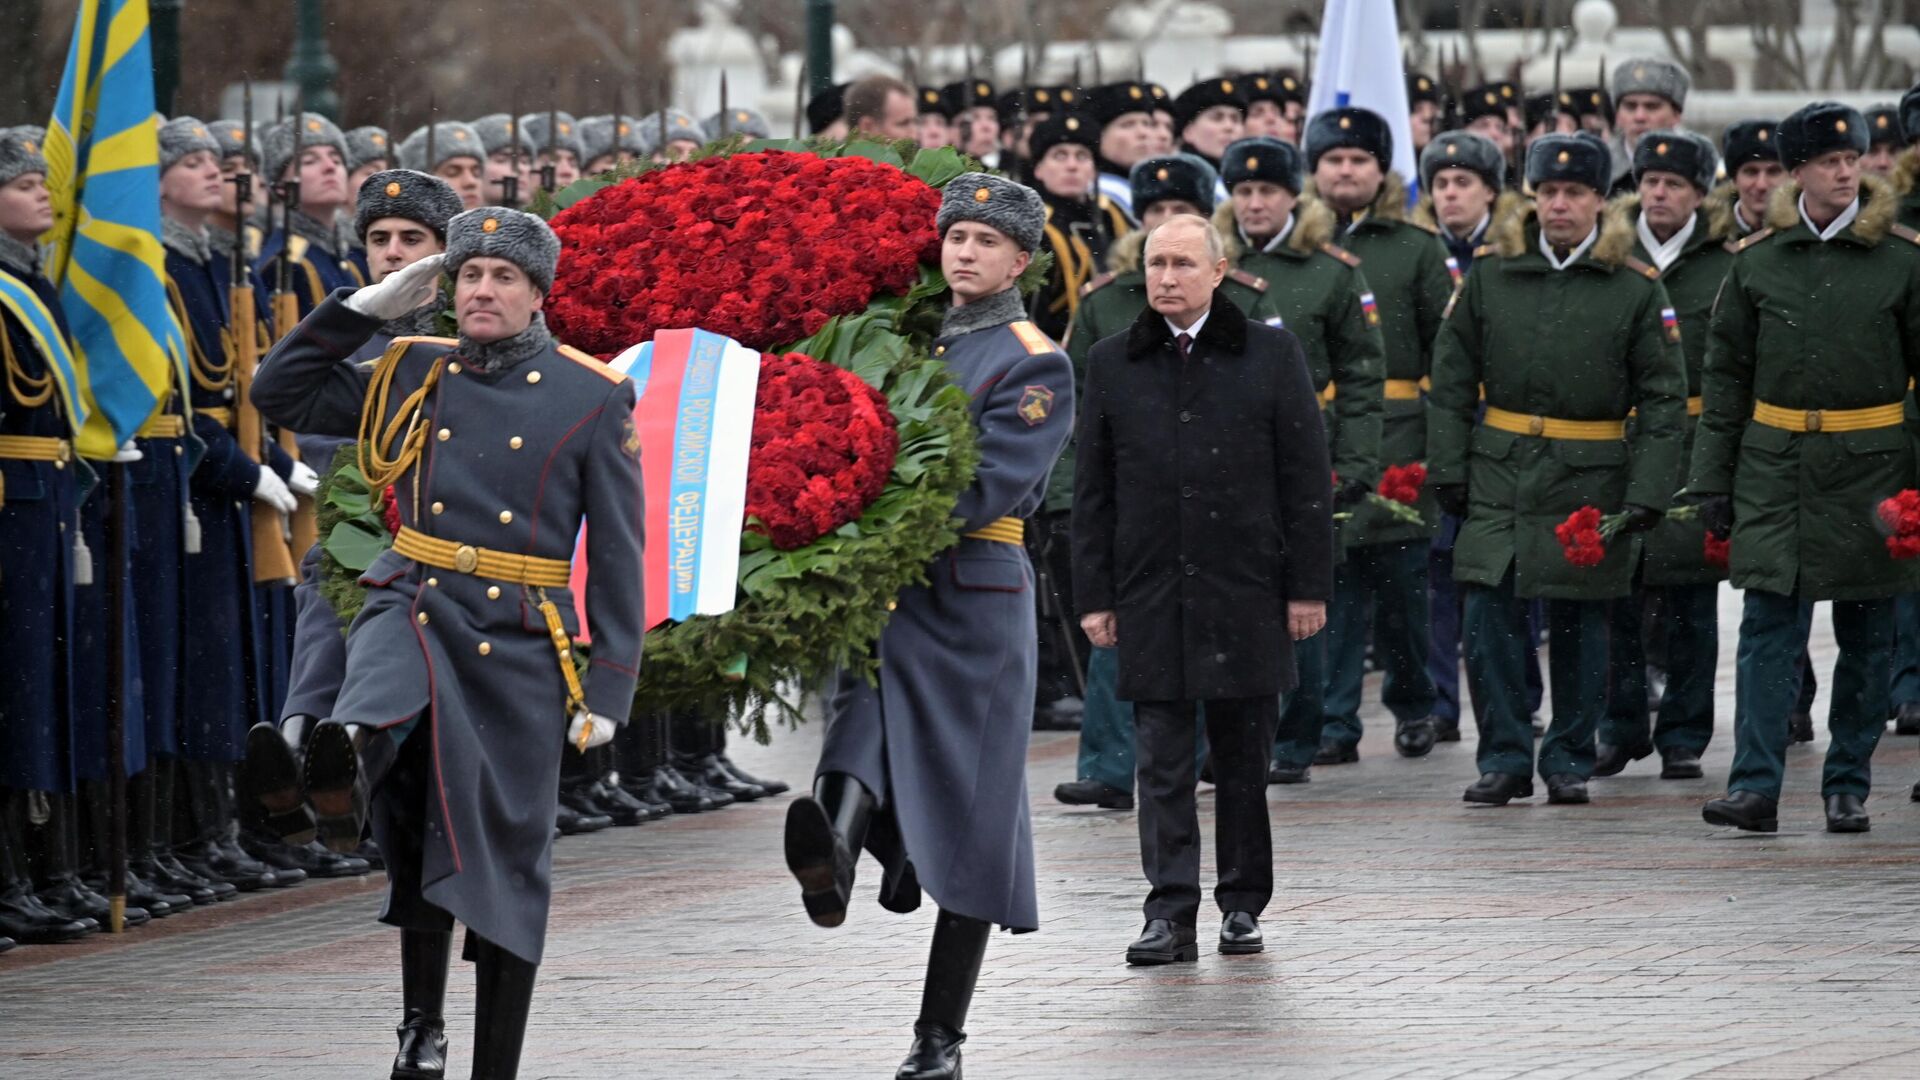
x=996, y=202
x=276, y=142
x=405, y=193
x=185, y=135
x=496, y=232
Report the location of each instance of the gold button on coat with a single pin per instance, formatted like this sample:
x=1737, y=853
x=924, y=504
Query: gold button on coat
x=516, y=442
x=493, y=592
x=533, y=376
x=485, y=648
x=422, y=618
x=454, y=367
x=439, y=507
x=506, y=517
x=445, y=434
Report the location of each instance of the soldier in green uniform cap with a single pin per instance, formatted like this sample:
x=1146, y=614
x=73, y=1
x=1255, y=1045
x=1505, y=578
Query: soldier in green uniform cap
x=1162, y=188
x=1290, y=275
x=1384, y=560
x=1816, y=338
x=1689, y=251
x=1567, y=335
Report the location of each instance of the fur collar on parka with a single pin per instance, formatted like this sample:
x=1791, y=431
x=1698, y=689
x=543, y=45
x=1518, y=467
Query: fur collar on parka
x=1389, y=204
x=1226, y=330
x=1878, y=203
x=1507, y=202
x=1718, y=206
x=1125, y=256
x=1508, y=236
x=1718, y=221
x=1906, y=171
x=1312, y=226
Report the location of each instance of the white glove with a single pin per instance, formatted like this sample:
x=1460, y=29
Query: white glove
x=127, y=454
x=595, y=729
x=304, y=481
x=400, y=292
x=273, y=491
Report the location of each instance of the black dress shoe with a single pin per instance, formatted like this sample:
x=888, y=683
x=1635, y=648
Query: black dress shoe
x=423, y=1048
x=614, y=802
x=193, y=891
x=1847, y=813
x=177, y=877
x=1161, y=942
x=820, y=861
x=1333, y=753
x=369, y=852
x=771, y=787
x=1240, y=934
x=69, y=896
x=1093, y=793
x=1680, y=764
x=705, y=771
x=6, y=944
x=270, y=776
x=578, y=796
x=282, y=876
x=572, y=822
x=668, y=786
x=1498, y=789
x=1800, y=727
x=1413, y=738
x=1915, y=793
x=1289, y=774
x=935, y=1054
x=1747, y=810
x=25, y=919
x=310, y=858
x=1906, y=720
x=142, y=893
x=331, y=776
x=1611, y=759
x=1566, y=789
x=1446, y=729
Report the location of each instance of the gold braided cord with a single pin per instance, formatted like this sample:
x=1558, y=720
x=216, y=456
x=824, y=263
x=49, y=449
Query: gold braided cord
x=30, y=392
x=206, y=374
x=379, y=462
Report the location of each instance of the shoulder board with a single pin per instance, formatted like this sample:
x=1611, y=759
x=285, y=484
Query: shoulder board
x=1430, y=230
x=1754, y=238
x=424, y=339
x=1252, y=281
x=1645, y=270
x=1484, y=250
x=1904, y=232
x=589, y=362
x=297, y=247
x=1037, y=343
x=1340, y=253
x=1096, y=283
x=1730, y=246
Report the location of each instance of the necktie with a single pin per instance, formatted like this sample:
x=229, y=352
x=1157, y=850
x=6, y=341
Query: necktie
x=1185, y=342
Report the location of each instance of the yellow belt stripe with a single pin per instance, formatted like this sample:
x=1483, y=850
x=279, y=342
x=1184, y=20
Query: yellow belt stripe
x=1391, y=389
x=1548, y=427
x=1007, y=530
x=168, y=426
x=1829, y=420
x=36, y=448
x=481, y=562
x=221, y=414
x=1695, y=406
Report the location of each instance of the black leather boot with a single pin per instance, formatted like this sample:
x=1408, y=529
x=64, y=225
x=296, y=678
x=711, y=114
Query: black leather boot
x=161, y=866
x=142, y=891
x=823, y=841
x=771, y=787
x=1748, y=810
x=22, y=915
x=953, y=969
x=60, y=886
x=270, y=780
x=213, y=854
x=694, y=757
x=504, y=985
x=423, y=993
x=637, y=751
x=332, y=779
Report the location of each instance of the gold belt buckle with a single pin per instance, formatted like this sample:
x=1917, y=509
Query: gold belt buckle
x=1813, y=419
x=465, y=558
x=1536, y=425
x=63, y=454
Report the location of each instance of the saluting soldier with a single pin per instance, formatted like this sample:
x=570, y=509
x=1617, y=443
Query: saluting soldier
x=1816, y=338
x=927, y=770
x=1689, y=251
x=1290, y=274
x=39, y=516
x=1162, y=188
x=1567, y=335
x=459, y=662
x=453, y=152
x=1380, y=585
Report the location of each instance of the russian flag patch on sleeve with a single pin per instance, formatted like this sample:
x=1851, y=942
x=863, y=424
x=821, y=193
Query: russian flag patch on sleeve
x=1672, y=323
x=1368, y=305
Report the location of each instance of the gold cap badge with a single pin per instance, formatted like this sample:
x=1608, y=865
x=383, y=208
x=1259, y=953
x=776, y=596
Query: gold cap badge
x=1041, y=96
x=566, y=129
x=1073, y=123
x=1453, y=149
x=1134, y=93
x=1764, y=134
x=1491, y=99
x=1287, y=82
x=1840, y=126
x=393, y=189
x=1160, y=175
x=1066, y=95
x=1562, y=159
x=490, y=225
x=982, y=195
x=1226, y=86
x=982, y=89
x=313, y=125
x=377, y=139
x=1253, y=163
x=1661, y=149
x=1260, y=83
x=1346, y=122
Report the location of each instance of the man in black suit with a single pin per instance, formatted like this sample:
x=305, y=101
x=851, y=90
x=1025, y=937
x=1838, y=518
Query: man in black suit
x=1203, y=548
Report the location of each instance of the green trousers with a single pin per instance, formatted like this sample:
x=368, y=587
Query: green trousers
x=1772, y=636
x=1690, y=614
x=1495, y=629
x=1380, y=589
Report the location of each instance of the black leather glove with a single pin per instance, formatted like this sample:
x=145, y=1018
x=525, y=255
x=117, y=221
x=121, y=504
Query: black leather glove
x=1452, y=499
x=1716, y=513
x=1350, y=492
x=1640, y=519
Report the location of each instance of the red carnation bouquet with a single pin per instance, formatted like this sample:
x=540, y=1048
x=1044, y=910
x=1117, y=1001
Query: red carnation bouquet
x=1718, y=551
x=823, y=444
x=1584, y=535
x=1901, y=516
x=762, y=247
x=1396, y=494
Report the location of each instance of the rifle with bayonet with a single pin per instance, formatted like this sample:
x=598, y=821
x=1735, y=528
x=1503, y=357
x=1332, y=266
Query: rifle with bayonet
x=303, y=530
x=272, y=559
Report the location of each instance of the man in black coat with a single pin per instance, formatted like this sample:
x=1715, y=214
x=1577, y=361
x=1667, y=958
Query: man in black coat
x=1203, y=548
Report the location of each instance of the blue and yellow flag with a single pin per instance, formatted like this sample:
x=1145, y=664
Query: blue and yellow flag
x=103, y=171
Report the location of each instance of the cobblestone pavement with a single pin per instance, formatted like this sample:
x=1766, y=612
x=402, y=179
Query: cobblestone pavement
x=1410, y=936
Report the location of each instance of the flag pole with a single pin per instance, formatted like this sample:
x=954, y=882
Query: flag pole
x=117, y=699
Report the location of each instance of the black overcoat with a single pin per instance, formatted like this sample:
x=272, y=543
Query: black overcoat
x=1202, y=504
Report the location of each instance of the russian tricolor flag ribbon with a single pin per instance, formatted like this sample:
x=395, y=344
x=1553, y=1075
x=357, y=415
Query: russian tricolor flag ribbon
x=694, y=413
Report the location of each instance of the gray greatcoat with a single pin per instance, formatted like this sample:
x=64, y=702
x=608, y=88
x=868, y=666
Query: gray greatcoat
x=515, y=460
x=942, y=741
